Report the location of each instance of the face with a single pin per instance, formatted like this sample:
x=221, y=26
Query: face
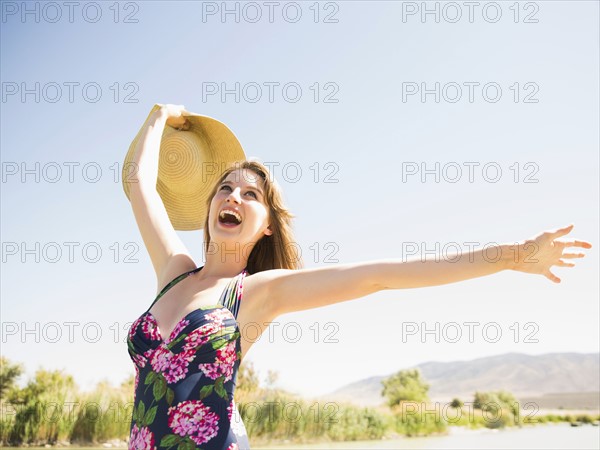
x=242, y=192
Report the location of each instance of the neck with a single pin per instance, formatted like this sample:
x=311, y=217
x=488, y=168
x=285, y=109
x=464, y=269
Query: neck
x=222, y=264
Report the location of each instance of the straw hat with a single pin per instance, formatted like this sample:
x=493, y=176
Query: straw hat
x=190, y=163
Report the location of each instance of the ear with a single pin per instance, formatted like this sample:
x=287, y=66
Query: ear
x=268, y=231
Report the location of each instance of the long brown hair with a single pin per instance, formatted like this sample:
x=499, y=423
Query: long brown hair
x=277, y=251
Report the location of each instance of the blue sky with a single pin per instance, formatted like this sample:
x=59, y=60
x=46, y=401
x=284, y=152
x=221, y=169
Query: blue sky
x=366, y=60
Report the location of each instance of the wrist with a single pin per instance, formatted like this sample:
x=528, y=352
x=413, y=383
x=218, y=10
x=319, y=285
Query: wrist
x=159, y=114
x=157, y=119
x=509, y=256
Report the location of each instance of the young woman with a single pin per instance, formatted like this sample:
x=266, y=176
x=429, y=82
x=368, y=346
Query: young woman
x=187, y=346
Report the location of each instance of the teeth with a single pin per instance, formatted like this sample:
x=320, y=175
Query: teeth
x=233, y=213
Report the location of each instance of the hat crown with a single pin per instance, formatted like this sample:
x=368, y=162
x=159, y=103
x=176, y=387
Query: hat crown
x=182, y=156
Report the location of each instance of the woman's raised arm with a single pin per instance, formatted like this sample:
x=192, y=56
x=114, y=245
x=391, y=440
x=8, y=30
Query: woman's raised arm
x=167, y=252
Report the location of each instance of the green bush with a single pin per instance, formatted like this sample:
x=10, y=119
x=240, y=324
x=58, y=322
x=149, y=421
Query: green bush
x=584, y=418
x=50, y=409
x=405, y=385
x=418, y=419
x=499, y=408
x=457, y=403
x=277, y=416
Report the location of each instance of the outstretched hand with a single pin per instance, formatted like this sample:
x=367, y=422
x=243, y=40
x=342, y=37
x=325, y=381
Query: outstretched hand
x=538, y=254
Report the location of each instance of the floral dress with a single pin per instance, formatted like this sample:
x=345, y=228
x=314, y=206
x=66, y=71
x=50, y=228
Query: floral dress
x=184, y=384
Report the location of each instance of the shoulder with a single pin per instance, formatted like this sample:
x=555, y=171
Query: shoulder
x=257, y=290
x=176, y=266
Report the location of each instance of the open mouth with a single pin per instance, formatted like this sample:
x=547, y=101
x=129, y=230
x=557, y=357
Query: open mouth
x=229, y=218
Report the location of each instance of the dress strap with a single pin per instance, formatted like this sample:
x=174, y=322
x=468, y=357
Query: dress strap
x=173, y=283
x=232, y=296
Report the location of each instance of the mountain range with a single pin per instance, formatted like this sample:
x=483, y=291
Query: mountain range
x=552, y=375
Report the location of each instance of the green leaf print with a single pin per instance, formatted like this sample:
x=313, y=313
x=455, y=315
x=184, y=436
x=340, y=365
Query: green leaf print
x=187, y=444
x=170, y=440
x=229, y=330
x=225, y=332
x=205, y=391
x=150, y=377
x=172, y=344
x=160, y=388
x=141, y=410
x=150, y=414
x=170, y=396
x=219, y=389
x=217, y=344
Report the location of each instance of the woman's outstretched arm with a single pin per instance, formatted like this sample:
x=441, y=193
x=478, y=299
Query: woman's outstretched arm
x=295, y=290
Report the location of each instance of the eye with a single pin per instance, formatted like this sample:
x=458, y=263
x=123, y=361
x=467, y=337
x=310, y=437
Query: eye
x=249, y=192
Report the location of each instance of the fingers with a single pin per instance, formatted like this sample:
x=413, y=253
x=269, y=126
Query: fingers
x=576, y=243
x=573, y=255
x=174, y=110
x=552, y=277
x=562, y=263
x=561, y=231
x=185, y=126
x=573, y=243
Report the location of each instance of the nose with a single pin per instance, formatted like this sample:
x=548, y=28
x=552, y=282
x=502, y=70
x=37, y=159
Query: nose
x=234, y=195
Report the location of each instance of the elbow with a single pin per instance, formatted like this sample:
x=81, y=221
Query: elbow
x=377, y=286
x=373, y=276
x=373, y=284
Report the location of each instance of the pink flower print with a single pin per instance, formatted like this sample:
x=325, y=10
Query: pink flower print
x=148, y=353
x=230, y=410
x=233, y=446
x=134, y=327
x=173, y=367
x=199, y=336
x=223, y=365
x=218, y=316
x=178, y=328
x=141, y=439
x=194, y=419
x=139, y=360
x=150, y=327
